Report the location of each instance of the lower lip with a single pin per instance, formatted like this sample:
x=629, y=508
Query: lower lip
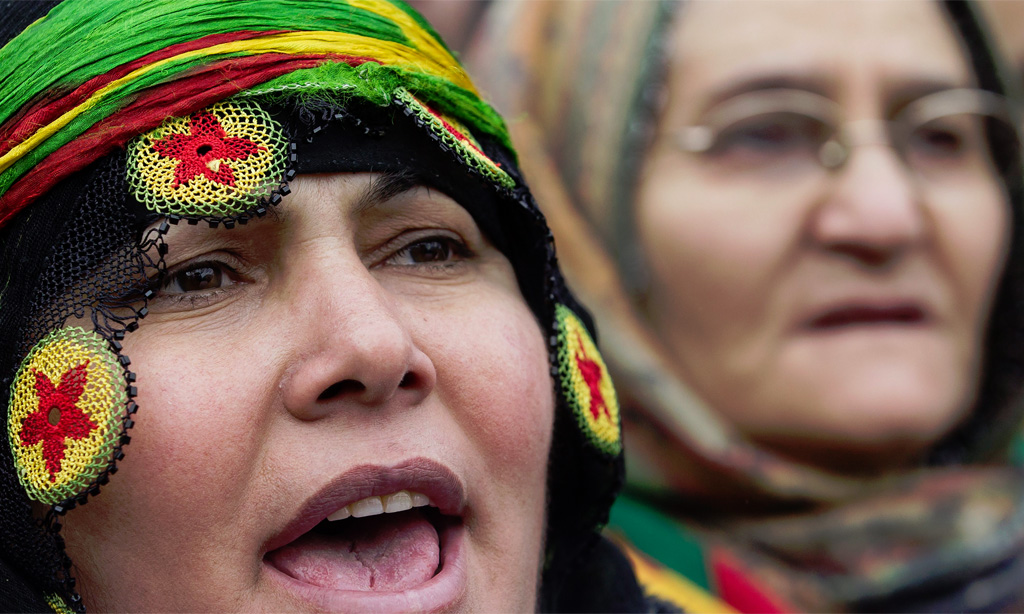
x=442, y=592
x=868, y=326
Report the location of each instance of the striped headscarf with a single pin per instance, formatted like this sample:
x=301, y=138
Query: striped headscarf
x=98, y=98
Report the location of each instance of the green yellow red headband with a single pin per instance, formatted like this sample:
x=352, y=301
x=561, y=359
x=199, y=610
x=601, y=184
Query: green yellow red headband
x=114, y=78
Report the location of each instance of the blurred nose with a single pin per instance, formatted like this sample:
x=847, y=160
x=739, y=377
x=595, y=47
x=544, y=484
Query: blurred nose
x=358, y=352
x=872, y=212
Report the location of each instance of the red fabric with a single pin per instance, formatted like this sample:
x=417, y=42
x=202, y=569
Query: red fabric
x=205, y=141
x=740, y=591
x=200, y=89
x=592, y=374
x=455, y=131
x=52, y=105
x=71, y=422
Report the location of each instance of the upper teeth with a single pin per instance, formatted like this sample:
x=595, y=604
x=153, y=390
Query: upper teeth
x=386, y=504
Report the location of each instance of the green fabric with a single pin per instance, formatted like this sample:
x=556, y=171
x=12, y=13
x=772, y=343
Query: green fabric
x=423, y=23
x=376, y=83
x=79, y=37
x=111, y=104
x=661, y=538
x=145, y=27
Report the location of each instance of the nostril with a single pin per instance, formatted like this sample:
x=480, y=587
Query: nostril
x=341, y=388
x=408, y=380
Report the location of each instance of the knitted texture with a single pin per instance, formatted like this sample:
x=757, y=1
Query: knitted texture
x=218, y=161
x=456, y=137
x=114, y=78
x=154, y=114
x=57, y=604
x=65, y=414
x=586, y=383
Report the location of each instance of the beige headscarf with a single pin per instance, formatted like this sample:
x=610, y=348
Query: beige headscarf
x=579, y=84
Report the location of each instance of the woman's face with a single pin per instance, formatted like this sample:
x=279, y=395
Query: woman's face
x=837, y=315
x=363, y=340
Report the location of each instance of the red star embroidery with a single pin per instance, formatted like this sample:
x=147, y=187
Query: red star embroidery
x=592, y=374
x=58, y=416
x=203, y=150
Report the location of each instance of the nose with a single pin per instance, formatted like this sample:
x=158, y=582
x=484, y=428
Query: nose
x=873, y=211
x=355, y=349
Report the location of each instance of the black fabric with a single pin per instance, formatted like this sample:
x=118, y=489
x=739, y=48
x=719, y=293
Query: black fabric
x=602, y=582
x=1001, y=394
x=16, y=15
x=83, y=250
x=70, y=256
x=17, y=594
x=88, y=250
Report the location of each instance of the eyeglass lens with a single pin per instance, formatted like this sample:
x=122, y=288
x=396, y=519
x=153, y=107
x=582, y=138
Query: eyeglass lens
x=772, y=141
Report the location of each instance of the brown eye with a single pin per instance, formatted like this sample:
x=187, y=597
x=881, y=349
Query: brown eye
x=431, y=250
x=197, y=278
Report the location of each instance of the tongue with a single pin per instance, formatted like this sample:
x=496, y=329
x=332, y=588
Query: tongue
x=390, y=552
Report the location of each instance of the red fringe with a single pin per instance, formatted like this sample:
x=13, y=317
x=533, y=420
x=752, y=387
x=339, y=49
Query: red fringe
x=200, y=89
x=49, y=106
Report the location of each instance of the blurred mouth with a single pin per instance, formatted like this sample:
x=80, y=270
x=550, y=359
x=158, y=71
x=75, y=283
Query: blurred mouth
x=377, y=539
x=858, y=316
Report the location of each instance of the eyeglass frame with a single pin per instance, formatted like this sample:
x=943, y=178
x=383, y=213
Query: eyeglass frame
x=837, y=150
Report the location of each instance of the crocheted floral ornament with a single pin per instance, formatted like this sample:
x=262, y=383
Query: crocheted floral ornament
x=586, y=383
x=57, y=604
x=456, y=137
x=66, y=410
x=217, y=162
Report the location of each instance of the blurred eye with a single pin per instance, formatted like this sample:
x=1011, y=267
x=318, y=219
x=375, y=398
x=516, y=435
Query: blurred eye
x=948, y=137
x=765, y=137
x=197, y=278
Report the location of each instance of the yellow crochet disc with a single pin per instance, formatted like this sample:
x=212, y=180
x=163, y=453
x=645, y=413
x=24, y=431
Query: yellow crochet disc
x=66, y=413
x=216, y=162
x=586, y=383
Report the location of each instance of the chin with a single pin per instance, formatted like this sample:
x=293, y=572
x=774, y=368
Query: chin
x=877, y=415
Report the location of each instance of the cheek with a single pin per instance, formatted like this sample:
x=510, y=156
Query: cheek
x=195, y=434
x=713, y=258
x=974, y=242
x=492, y=369
x=195, y=423
x=192, y=453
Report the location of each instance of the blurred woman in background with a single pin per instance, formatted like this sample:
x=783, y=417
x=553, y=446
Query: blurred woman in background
x=795, y=223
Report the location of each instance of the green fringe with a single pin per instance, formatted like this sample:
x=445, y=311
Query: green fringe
x=83, y=42
x=82, y=39
x=338, y=83
x=86, y=120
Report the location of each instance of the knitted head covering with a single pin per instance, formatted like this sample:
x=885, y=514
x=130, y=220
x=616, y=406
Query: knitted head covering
x=120, y=118
x=581, y=83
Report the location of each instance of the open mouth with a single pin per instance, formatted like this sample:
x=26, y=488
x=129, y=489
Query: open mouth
x=866, y=315
x=380, y=543
x=377, y=539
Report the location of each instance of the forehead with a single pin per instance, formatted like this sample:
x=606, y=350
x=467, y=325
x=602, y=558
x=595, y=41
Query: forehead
x=843, y=43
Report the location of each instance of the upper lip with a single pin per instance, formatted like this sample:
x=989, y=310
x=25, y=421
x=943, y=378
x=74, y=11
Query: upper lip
x=423, y=475
x=868, y=310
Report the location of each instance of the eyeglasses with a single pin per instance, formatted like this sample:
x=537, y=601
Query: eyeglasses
x=949, y=136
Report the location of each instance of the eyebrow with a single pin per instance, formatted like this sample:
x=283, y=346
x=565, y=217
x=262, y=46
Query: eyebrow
x=384, y=187
x=897, y=95
x=743, y=85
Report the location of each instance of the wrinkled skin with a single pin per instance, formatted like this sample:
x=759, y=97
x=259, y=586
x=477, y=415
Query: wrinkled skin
x=738, y=268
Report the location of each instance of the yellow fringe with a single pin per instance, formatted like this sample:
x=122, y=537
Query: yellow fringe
x=295, y=43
